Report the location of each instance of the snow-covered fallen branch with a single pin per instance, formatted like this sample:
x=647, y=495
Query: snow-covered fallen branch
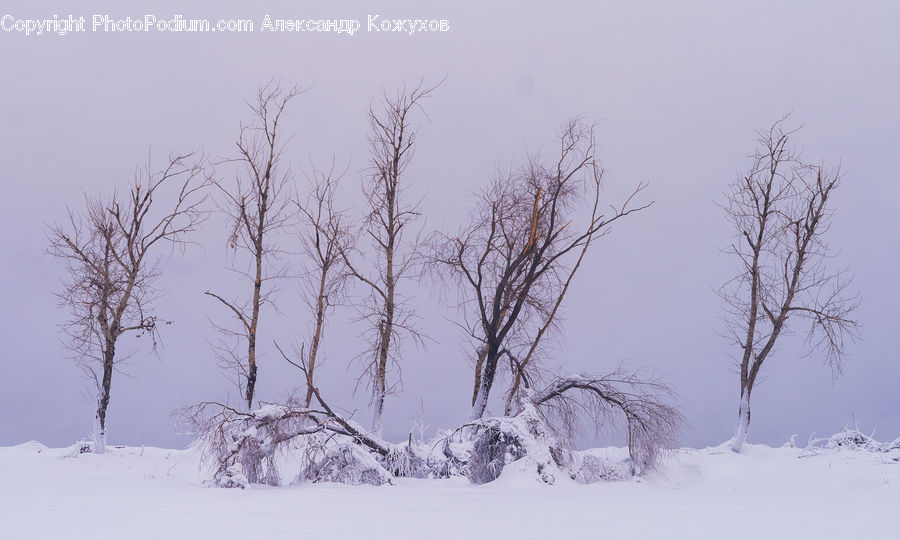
x=327, y=447
x=849, y=439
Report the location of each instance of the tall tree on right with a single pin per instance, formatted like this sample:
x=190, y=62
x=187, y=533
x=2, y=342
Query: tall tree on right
x=781, y=210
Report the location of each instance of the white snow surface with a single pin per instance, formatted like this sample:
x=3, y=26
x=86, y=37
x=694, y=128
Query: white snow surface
x=138, y=493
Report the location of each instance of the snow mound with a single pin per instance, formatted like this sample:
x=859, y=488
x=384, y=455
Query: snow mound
x=32, y=447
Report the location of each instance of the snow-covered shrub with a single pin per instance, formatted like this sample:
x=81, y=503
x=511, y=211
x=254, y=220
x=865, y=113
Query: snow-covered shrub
x=405, y=461
x=247, y=447
x=850, y=439
x=231, y=477
x=346, y=463
x=81, y=447
x=244, y=446
x=448, y=455
x=589, y=468
x=493, y=449
x=524, y=439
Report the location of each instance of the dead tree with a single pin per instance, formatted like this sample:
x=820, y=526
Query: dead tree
x=326, y=237
x=781, y=212
x=390, y=215
x=516, y=257
x=257, y=205
x=110, y=250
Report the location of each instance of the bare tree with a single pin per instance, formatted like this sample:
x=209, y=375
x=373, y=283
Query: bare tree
x=391, y=141
x=516, y=257
x=111, y=267
x=257, y=204
x=781, y=211
x=327, y=236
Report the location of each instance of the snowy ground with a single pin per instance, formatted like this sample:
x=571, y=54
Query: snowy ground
x=710, y=493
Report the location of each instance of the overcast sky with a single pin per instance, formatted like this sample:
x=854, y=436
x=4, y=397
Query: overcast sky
x=679, y=89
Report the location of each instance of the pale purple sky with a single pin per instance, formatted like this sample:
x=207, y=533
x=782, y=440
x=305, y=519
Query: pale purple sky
x=679, y=90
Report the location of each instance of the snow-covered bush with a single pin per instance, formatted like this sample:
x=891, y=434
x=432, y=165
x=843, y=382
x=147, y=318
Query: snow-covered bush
x=243, y=446
x=589, y=468
x=231, y=477
x=83, y=446
x=851, y=439
x=448, y=455
x=406, y=461
x=524, y=439
x=346, y=463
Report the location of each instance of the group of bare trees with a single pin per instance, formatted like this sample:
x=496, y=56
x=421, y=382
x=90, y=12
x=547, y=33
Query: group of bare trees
x=509, y=268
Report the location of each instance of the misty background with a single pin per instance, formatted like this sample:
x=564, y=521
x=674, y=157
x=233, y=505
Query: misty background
x=678, y=89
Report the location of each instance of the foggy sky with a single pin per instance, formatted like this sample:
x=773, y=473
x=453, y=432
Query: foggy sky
x=679, y=89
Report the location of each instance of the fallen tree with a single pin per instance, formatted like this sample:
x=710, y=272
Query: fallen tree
x=244, y=447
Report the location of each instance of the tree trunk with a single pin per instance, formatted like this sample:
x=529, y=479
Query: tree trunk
x=487, y=380
x=743, y=424
x=317, y=336
x=479, y=367
x=512, y=403
x=251, y=378
x=103, y=401
x=378, y=409
x=380, y=387
x=254, y=322
x=387, y=325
